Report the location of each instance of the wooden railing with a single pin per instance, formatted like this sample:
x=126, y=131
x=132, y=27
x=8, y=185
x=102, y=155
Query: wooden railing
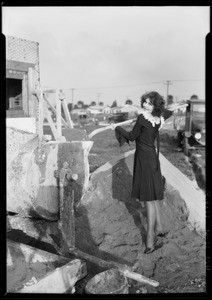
x=43, y=106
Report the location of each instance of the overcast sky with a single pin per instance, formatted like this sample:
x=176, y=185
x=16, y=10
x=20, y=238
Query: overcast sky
x=115, y=53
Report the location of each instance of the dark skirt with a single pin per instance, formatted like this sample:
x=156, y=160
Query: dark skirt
x=147, y=179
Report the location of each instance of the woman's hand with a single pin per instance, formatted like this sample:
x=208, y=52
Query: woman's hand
x=113, y=126
x=177, y=106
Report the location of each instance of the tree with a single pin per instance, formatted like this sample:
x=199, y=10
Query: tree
x=101, y=104
x=129, y=102
x=93, y=103
x=170, y=99
x=194, y=97
x=114, y=104
x=70, y=107
x=80, y=104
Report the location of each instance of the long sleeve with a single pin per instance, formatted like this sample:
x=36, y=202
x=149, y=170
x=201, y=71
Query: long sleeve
x=167, y=114
x=125, y=136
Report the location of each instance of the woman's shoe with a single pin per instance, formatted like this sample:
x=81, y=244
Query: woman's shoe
x=155, y=247
x=162, y=234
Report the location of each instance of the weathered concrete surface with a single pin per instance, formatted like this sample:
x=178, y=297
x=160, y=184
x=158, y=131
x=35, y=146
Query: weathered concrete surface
x=188, y=190
x=25, y=124
x=15, y=139
x=32, y=270
x=61, y=280
x=32, y=188
x=111, y=224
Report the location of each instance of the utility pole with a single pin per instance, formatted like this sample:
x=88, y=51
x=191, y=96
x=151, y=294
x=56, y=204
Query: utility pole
x=168, y=82
x=72, y=97
x=98, y=95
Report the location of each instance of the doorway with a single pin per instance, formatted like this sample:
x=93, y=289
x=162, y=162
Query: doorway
x=14, y=94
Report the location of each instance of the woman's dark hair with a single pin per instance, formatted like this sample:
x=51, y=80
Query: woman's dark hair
x=157, y=101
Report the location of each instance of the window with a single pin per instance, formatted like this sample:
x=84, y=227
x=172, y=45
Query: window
x=14, y=94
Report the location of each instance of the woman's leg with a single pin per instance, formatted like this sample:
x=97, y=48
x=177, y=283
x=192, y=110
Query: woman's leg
x=158, y=225
x=151, y=215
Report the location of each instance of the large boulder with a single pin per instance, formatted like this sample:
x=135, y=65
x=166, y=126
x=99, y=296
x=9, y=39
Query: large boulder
x=32, y=188
x=112, y=225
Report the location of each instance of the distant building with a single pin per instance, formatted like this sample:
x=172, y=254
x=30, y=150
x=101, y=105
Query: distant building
x=96, y=109
x=22, y=76
x=107, y=110
x=132, y=110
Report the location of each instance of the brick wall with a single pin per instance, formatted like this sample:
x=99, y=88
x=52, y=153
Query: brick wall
x=26, y=51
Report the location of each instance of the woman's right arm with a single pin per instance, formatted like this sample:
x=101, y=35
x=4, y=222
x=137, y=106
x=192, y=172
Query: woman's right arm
x=134, y=133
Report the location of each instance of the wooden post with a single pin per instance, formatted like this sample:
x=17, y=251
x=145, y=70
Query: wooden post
x=110, y=127
x=54, y=110
x=67, y=114
x=50, y=121
x=66, y=223
x=58, y=116
x=40, y=118
x=126, y=270
x=24, y=98
x=31, y=87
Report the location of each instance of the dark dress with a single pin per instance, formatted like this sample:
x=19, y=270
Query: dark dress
x=147, y=180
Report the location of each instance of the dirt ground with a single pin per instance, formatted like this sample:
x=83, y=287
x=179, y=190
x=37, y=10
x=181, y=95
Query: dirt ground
x=180, y=266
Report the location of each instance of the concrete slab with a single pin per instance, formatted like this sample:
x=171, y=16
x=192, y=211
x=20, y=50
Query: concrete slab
x=31, y=270
x=32, y=188
x=25, y=124
x=61, y=280
x=193, y=196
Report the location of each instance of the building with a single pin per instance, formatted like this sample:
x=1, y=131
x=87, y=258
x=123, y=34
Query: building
x=22, y=77
x=107, y=110
x=132, y=110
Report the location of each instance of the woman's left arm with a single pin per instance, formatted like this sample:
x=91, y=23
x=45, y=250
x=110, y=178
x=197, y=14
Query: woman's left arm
x=131, y=135
x=167, y=113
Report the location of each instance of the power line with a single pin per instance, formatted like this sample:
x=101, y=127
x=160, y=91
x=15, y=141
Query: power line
x=138, y=84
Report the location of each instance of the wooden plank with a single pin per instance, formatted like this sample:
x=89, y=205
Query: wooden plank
x=126, y=270
x=18, y=65
x=31, y=87
x=54, y=110
x=110, y=127
x=58, y=115
x=50, y=91
x=67, y=114
x=50, y=121
x=40, y=118
x=16, y=250
x=25, y=102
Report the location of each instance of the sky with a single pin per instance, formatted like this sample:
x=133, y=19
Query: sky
x=116, y=53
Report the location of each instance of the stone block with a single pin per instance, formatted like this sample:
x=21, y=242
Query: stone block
x=31, y=270
x=32, y=189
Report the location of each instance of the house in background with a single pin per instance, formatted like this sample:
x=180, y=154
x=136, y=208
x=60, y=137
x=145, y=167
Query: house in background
x=132, y=110
x=107, y=110
x=22, y=76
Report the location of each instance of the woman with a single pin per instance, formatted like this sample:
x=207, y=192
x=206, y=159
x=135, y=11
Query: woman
x=148, y=184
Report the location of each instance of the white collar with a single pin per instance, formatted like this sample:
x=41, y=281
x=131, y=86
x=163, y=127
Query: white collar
x=152, y=119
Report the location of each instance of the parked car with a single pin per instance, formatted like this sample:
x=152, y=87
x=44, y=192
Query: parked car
x=192, y=135
x=118, y=117
x=84, y=119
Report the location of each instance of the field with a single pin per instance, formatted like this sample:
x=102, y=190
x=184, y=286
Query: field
x=106, y=147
